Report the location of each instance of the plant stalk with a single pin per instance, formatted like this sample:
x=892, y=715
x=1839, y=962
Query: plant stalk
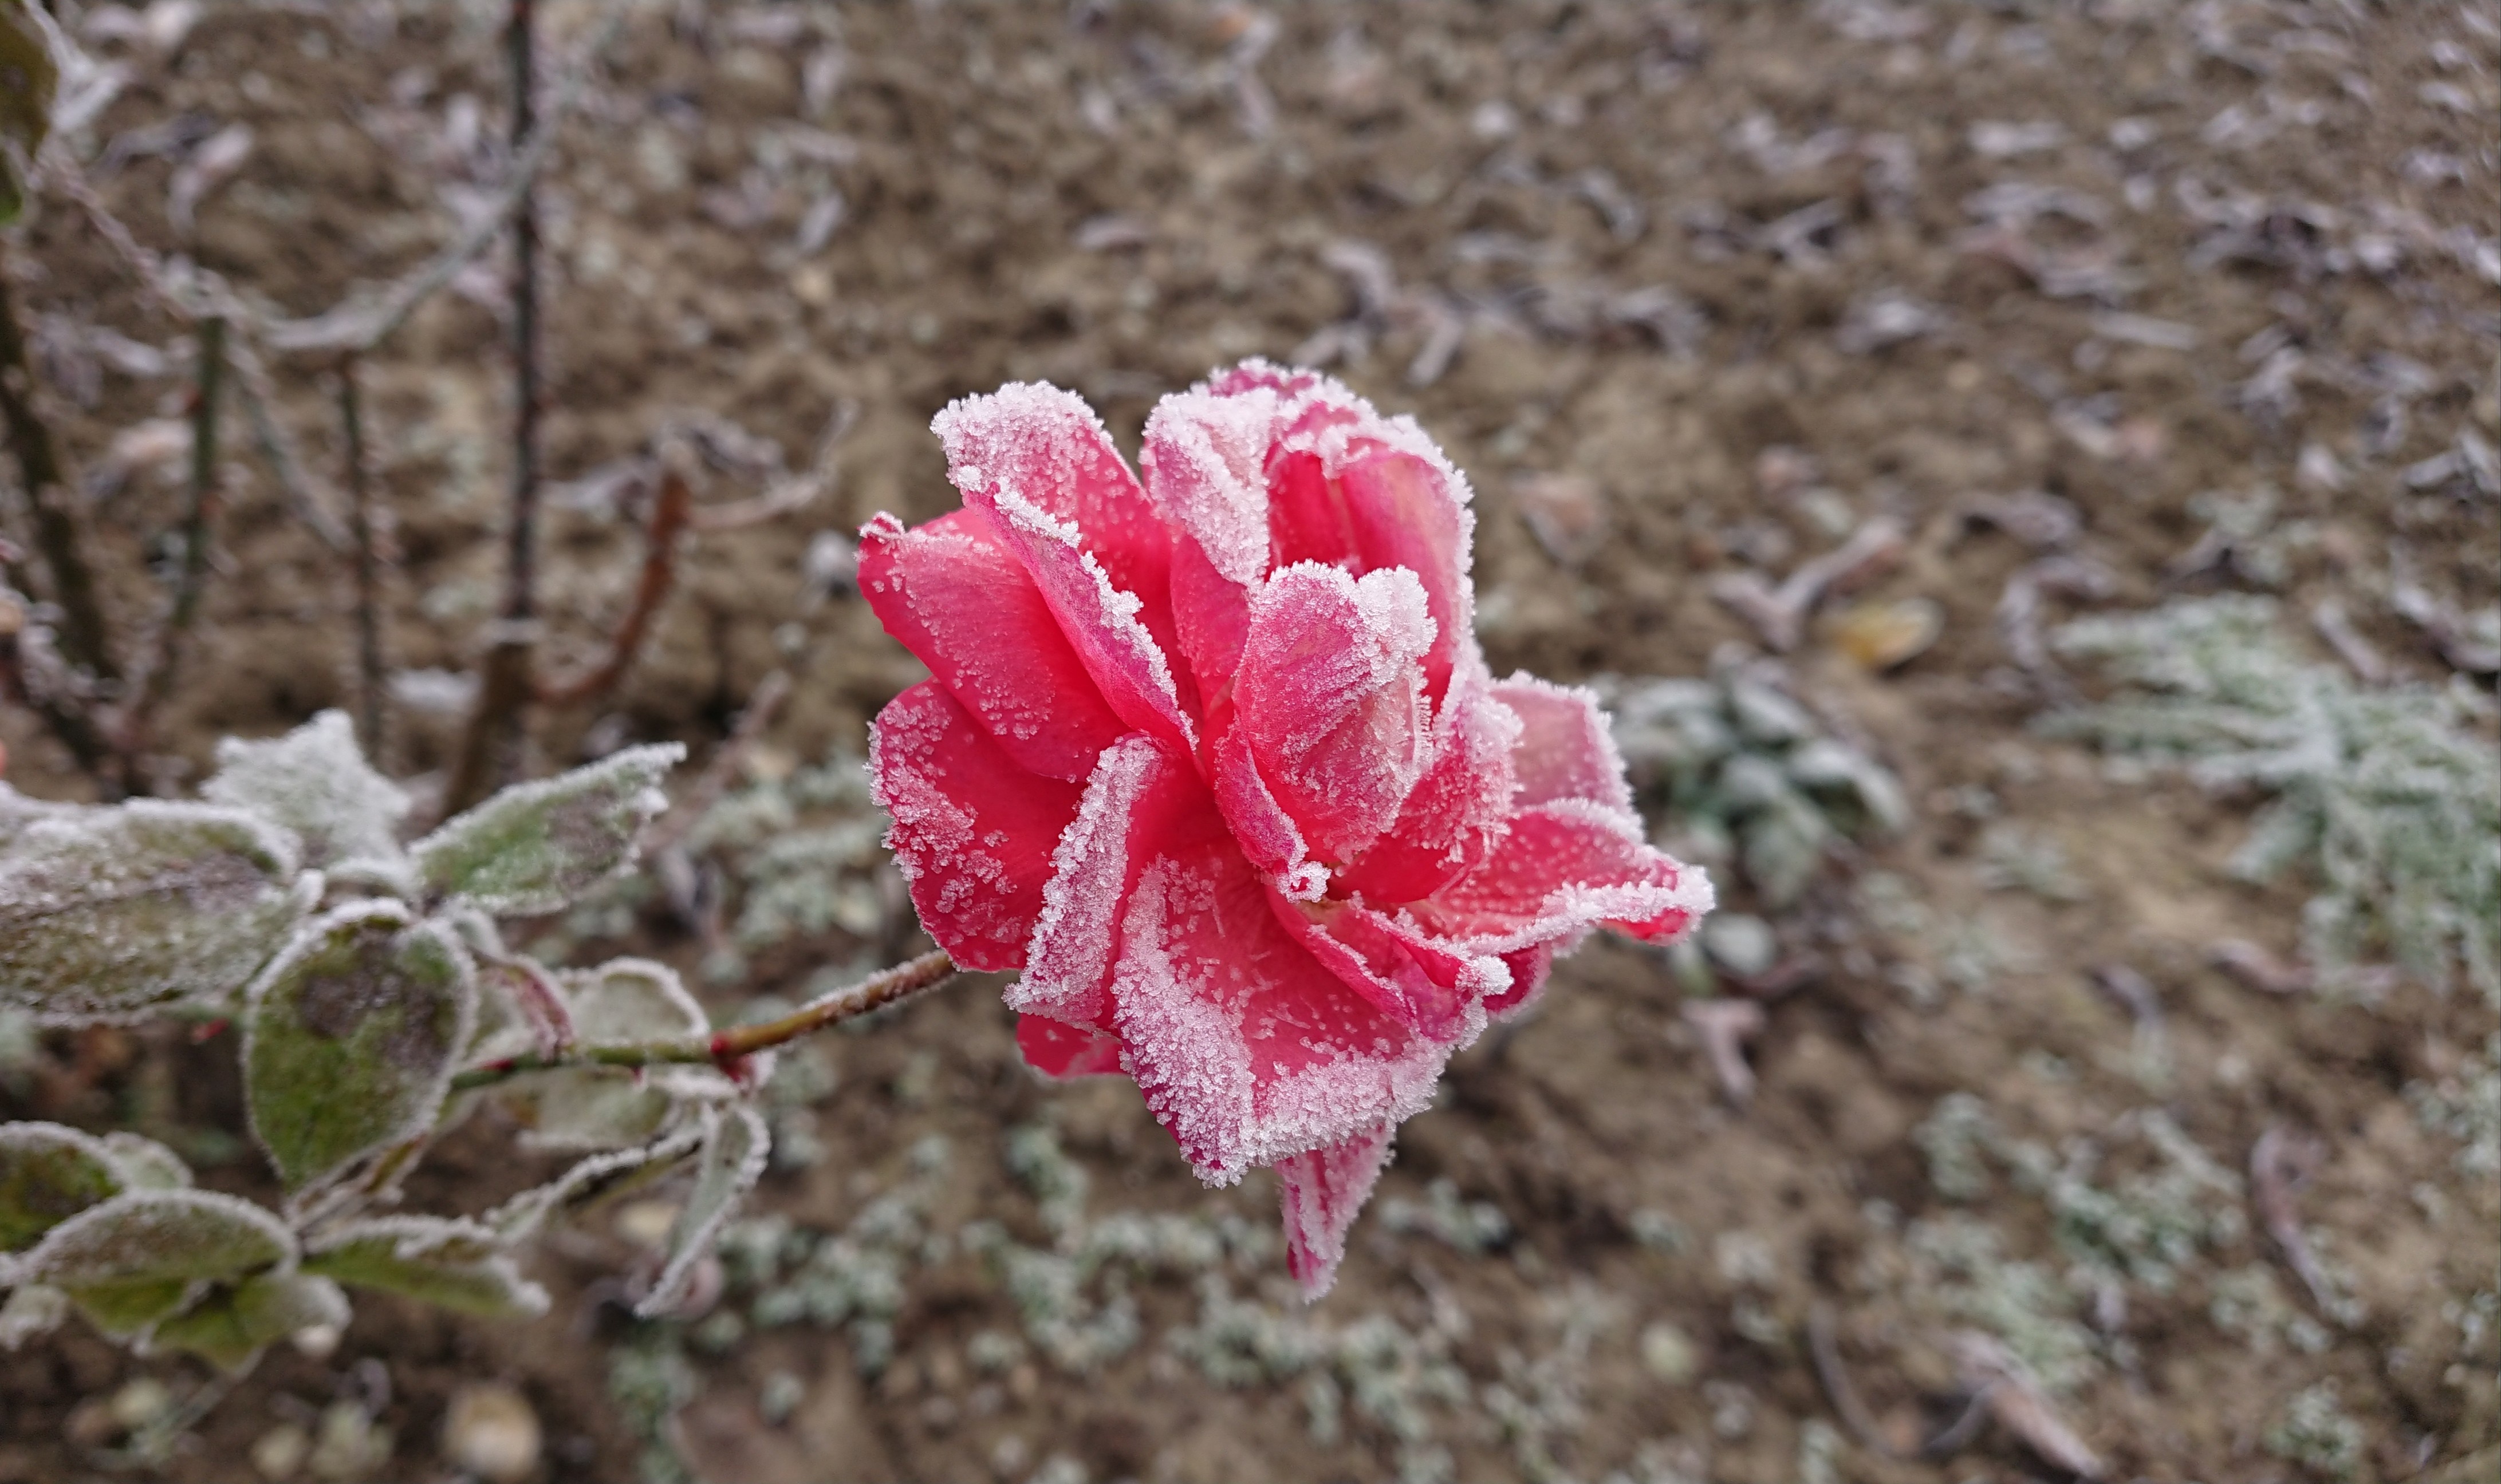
x=371, y=681
x=727, y=1048
x=84, y=636
x=191, y=576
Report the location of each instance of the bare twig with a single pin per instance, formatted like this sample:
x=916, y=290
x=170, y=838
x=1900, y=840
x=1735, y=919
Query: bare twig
x=2280, y=1164
x=157, y=678
x=2016, y=1400
x=1725, y=1026
x=669, y=512
x=32, y=676
x=372, y=683
x=2259, y=970
x=1780, y=614
x=788, y=495
x=487, y=749
x=2336, y=626
x=85, y=638
x=366, y=321
x=761, y=707
x=253, y=389
x=1824, y=1346
x=728, y=1048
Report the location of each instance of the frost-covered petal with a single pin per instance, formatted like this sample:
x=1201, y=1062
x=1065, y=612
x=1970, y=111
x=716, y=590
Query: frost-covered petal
x=1429, y=985
x=960, y=599
x=1458, y=810
x=1057, y=1049
x=1102, y=622
x=1205, y=454
x=1321, y=1192
x=1566, y=749
x=1141, y=794
x=1330, y=700
x=973, y=830
x=1528, y=969
x=1248, y=1049
x=1047, y=446
x=1563, y=866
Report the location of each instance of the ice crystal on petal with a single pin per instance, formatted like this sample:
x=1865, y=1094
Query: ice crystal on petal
x=1321, y=1192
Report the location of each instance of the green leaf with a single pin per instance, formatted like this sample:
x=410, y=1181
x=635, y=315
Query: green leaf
x=535, y=847
x=732, y=1161
x=47, y=1174
x=29, y=79
x=230, y=1323
x=32, y=1310
x=17, y=810
x=145, y=1164
x=454, y=1264
x=597, y=1178
x=106, y=913
x=316, y=783
x=350, y=1038
x=134, y=1259
x=624, y=1002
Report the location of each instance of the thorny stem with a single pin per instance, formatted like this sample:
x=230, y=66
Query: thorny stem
x=85, y=636
x=727, y=1048
x=488, y=750
x=191, y=576
x=360, y=532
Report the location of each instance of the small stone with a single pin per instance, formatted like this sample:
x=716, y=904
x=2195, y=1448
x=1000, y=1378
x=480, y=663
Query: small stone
x=280, y=1452
x=647, y=1223
x=1668, y=1354
x=491, y=1431
x=1743, y=944
x=347, y=1446
x=140, y=1403
x=1882, y=634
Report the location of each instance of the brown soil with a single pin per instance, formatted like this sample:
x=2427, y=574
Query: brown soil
x=1086, y=194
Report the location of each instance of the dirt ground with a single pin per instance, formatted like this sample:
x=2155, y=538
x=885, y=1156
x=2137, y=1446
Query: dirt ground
x=1756, y=275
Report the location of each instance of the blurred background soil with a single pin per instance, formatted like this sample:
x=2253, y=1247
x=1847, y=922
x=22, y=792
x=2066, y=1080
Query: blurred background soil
x=1705, y=287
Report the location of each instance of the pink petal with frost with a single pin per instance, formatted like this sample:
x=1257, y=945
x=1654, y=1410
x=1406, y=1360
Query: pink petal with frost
x=1321, y=1193
x=1459, y=808
x=1048, y=447
x=1247, y=1048
x=973, y=832
x=1565, y=748
x=1267, y=834
x=1528, y=968
x=1424, y=983
x=1140, y=793
x=1330, y=698
x=1256, y=373
x=1205, y=458
x=1211, y=619
x=1056, y=1049
x=960, y=600
x=1566, y=866
x=1100, y=621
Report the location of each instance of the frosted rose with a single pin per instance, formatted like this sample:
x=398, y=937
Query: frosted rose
x=1215, y=760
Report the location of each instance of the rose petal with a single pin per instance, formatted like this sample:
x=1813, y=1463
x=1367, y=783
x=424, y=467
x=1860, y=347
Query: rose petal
x=1528, y=968
x=1205, y=458
x=1425, y=983
x=1141, y=800
x=973, y=832
x=1565, y=748
x=1100, y=621
x=1330, y=699
x=1566, y=866
x=1458, y=810
x=961, y=601
x=1047, y=446
x=1056, y=1049
x=1321, y=1193
x=1247, y=1048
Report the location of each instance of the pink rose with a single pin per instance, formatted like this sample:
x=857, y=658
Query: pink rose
x=1215, y=761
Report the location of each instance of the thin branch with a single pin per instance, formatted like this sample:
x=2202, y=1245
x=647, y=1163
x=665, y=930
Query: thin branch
x=371, y=681
x=761, y=705
x=157, y=680
x=366, y=321
x=789, y=495
x=1825, y=1348
x=35, y=678
x=669, y=512
x=495, y=727
x=258, y=396
x=727, y=1048
x=85, y=637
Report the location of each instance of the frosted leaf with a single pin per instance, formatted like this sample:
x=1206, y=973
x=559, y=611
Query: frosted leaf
x=137, y=1257
x=316, y=783
x=232, y=1322
x=108, y=913
x=733, y=1159
x=47, y=1174
x=17, y=811
x=599, y=1175
x=627, y=1000
x=1321, y=1192
x=536, y=846
x=350, y=1035
x=32, y=1310
x=451, y=1263
x=145, y=1164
